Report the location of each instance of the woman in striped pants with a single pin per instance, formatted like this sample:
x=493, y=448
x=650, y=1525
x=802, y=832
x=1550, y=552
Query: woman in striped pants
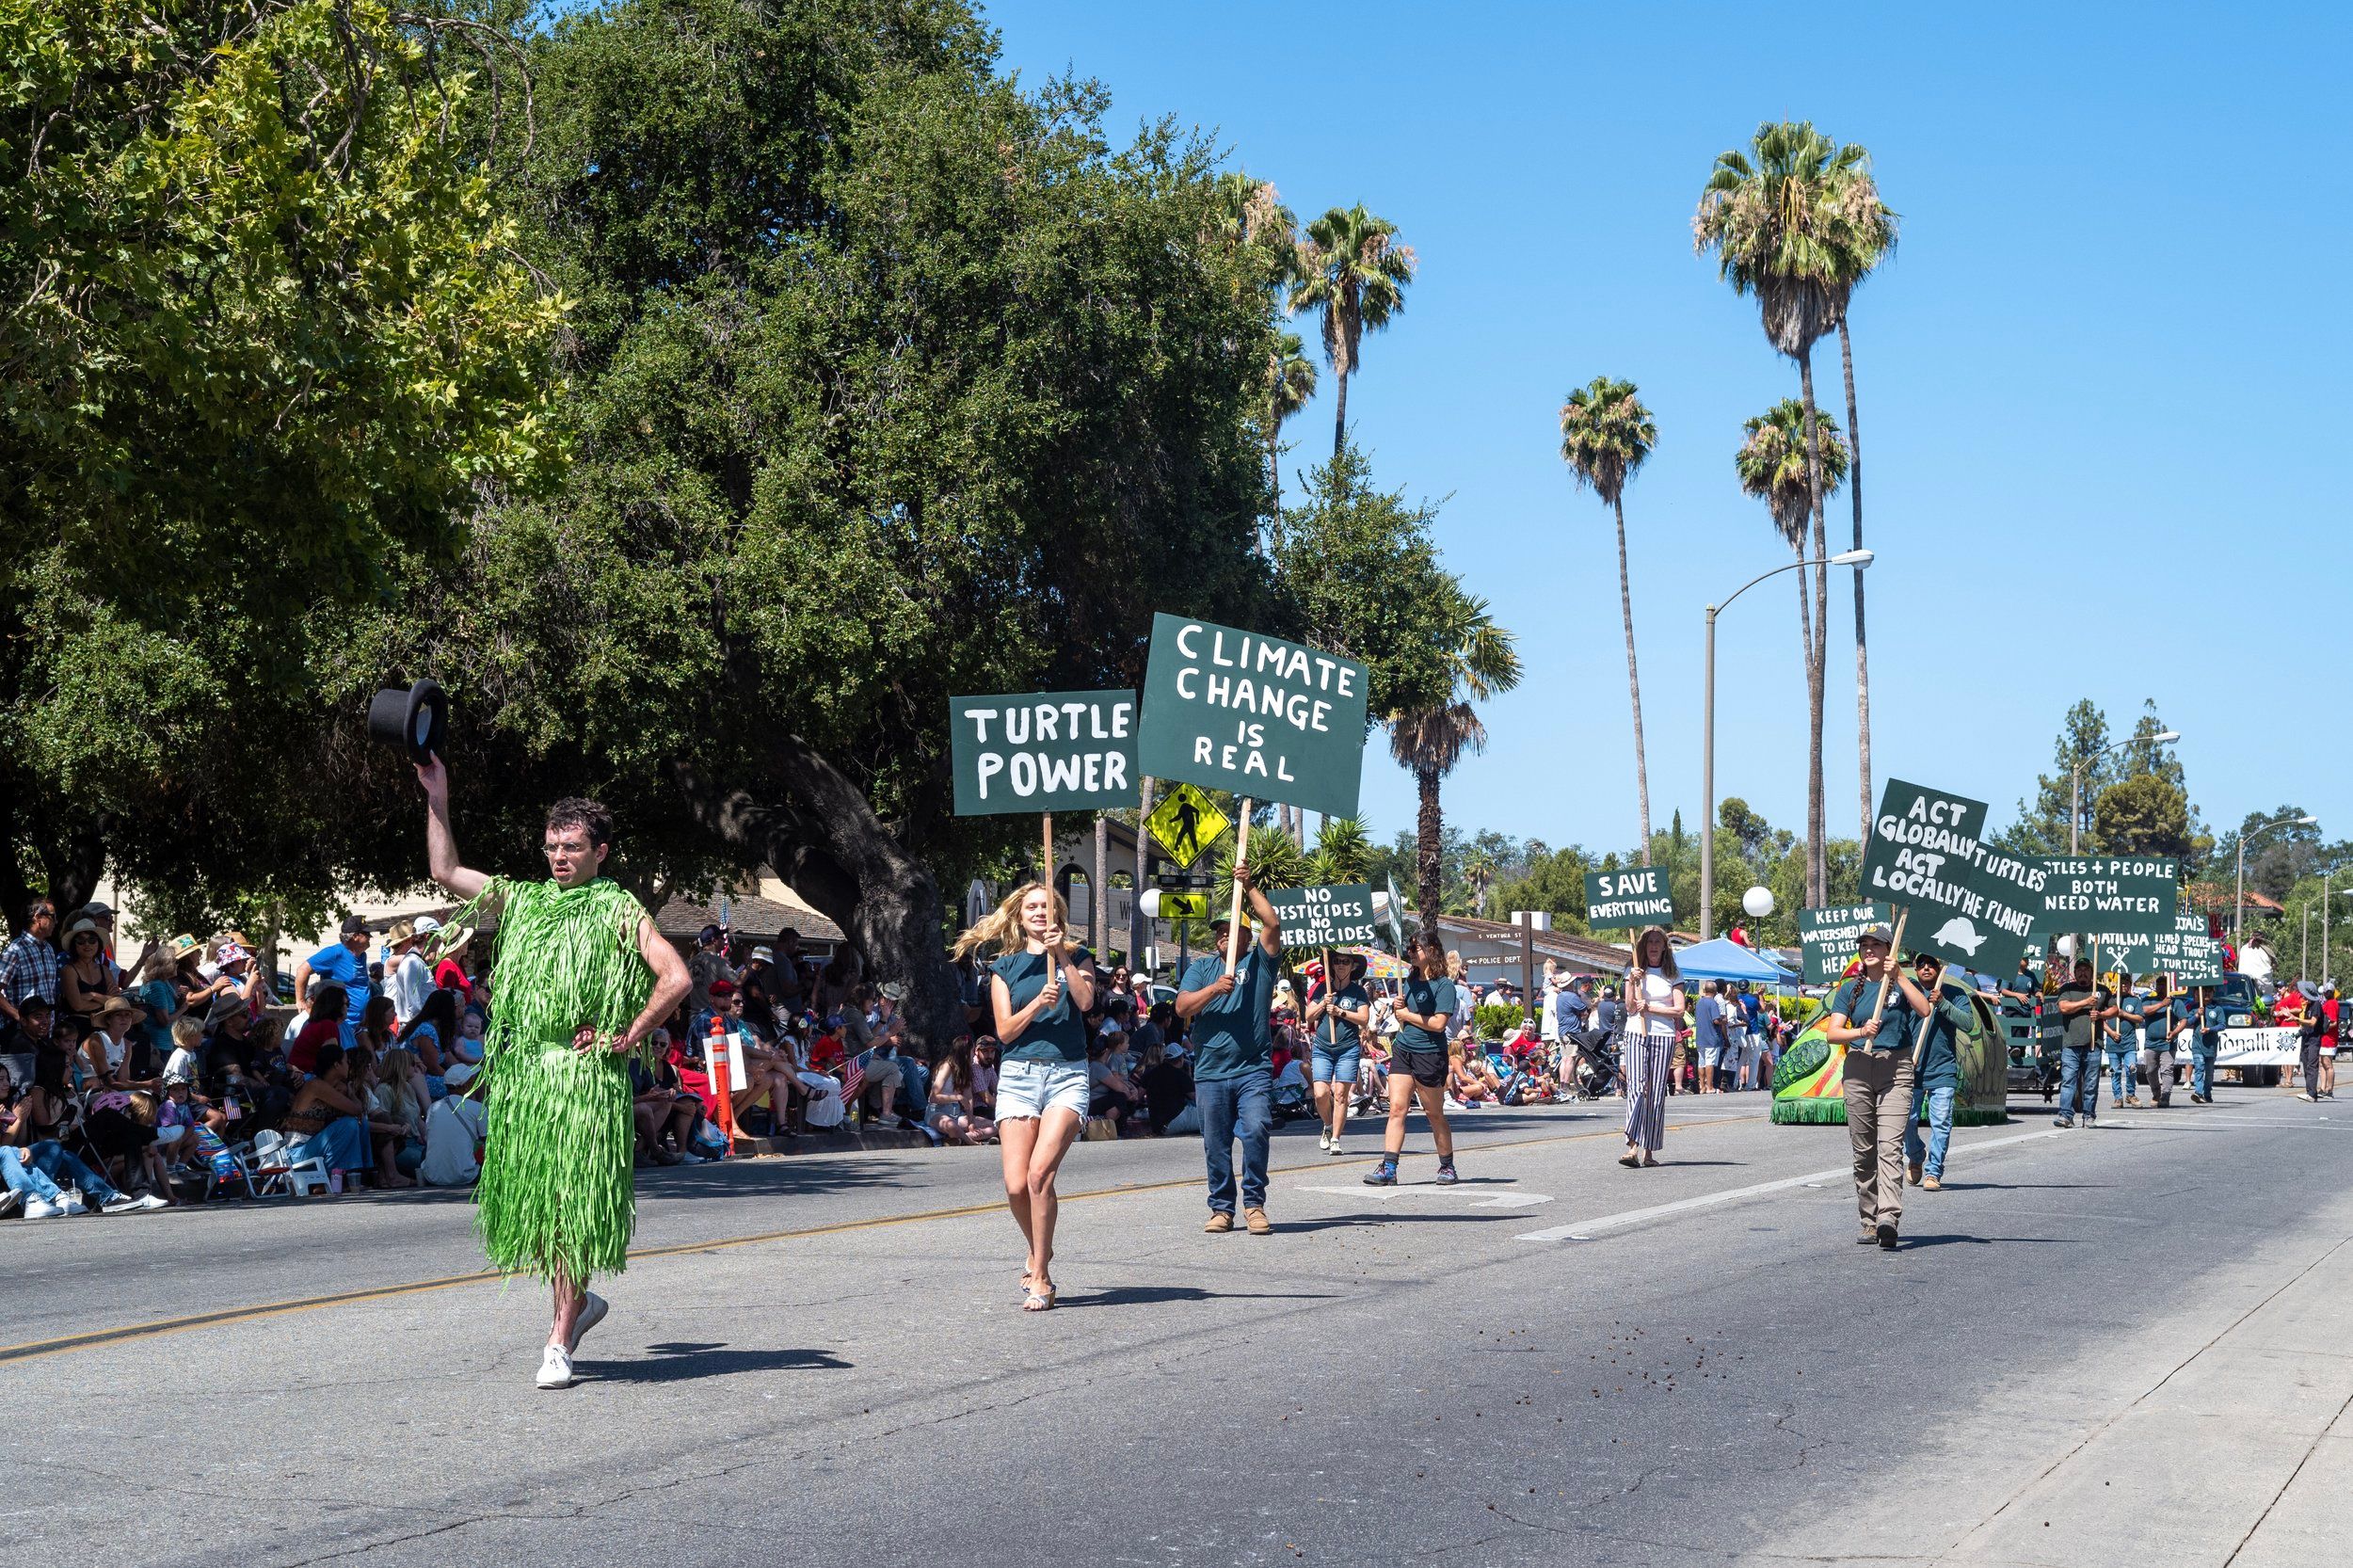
x=1654, y=1012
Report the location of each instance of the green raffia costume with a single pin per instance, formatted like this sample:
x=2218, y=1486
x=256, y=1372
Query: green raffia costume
x=556, y=1194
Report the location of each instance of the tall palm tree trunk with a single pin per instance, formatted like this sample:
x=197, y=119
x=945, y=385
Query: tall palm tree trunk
x=1340, y=417
x=1816, y=853
x=1806, y=628
x=1633, y=681
x=1428, y=827
x=1275, y=463
x=1861, y=655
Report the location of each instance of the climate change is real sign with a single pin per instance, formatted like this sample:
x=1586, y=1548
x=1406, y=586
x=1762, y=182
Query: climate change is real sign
x=1044, y=751
x=1967, y=903
x=1265, y=718
x=1617, y=901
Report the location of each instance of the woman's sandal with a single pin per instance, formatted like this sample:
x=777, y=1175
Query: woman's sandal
x=1630, y=1159
x=1036, y=1300
x=1650, y=1161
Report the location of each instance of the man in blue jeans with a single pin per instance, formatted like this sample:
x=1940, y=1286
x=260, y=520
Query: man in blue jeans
x=2079, y=1048
x=1936, y=1077
x=1233, y=1082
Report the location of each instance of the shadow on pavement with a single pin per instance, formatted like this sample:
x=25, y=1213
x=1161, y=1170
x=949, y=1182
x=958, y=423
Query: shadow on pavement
x=1912, y=1243
x=682, y=1363
x=1154, y=1295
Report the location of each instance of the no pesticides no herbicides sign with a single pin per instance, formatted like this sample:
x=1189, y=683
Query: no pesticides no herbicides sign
x=1332, y=916
x=1265, y=718
x=1047, y=751
x=1619, y=901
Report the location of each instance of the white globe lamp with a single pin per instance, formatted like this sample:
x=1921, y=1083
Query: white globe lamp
x=1758, y=901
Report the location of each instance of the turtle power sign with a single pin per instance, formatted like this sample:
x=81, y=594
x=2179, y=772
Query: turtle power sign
x=1267, y=719
x=2134, y=895
x=1047, y=751
x=1831, y=936
x=1967, y=903
x=1615, y=900
x=1334, y=916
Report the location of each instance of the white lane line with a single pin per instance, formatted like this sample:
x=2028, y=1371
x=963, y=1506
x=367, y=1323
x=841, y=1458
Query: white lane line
x=1585, y=1230
x=1418, y=1189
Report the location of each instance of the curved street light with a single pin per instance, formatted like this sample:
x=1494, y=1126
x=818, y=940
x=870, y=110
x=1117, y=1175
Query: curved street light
x=1856, y=558
x=2238, y=894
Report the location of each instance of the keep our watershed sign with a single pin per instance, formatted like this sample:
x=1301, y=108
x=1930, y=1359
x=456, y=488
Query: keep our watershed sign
x=1334, y=916
x=1617, y=901
x=1966, y=903
x=2127, y=894
x=1831, y=936
x=1267, y=719
x=1046, y=751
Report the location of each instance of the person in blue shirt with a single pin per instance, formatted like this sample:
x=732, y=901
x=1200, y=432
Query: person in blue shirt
x=345, y=962
x=1708, y=1036
x=1233, y=1079
x=1038, y=999
x=1338, y=1016
x=2156, y=1013
x=1418, y=1063
x=1936, y=1071
x=1878, y=1037
x=2192, y=1019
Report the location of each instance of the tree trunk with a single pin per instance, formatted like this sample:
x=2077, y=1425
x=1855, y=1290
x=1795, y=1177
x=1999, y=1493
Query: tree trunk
x=1805, y=630
x=826, y=843
x=1135, y=898
x=1099, y=890
x=1274, y=465
x=1816, y=853
x=1340, y=417
x=1861, y=655
x=1429, y=826
x=1633, y=681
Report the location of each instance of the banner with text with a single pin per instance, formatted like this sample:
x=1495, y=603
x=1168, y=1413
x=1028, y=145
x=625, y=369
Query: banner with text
x=1616, y=901
x=2187, y=953
x=1267, y=719
x=1046, y=751
x=1339, y=915
x=1968, y=904
x=1830, y=935
x=2127, y=894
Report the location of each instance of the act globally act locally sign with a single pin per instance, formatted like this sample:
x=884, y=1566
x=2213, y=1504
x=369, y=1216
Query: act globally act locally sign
x=1616, y=901
x=1046, y=751
x=1964, y=902
x=1267, y=719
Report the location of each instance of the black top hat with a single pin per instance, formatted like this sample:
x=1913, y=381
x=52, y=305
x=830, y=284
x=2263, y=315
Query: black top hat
x=416, y=719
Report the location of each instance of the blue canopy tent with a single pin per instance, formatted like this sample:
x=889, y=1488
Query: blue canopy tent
x=1725, y=959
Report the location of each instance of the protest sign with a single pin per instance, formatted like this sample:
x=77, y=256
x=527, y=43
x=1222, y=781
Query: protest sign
x=1829, y=936
x=1045, y=751
x=1265, y=718
x=2125, y=894
x=1615, y=900
x=2125, y=950
x=1338, y=916
x=2187, y=953
x=1970, y=904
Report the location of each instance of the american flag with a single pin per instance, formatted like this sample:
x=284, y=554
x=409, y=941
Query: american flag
x=854, y=1076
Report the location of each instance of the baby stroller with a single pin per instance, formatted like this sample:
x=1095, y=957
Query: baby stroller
x=1596, y=1072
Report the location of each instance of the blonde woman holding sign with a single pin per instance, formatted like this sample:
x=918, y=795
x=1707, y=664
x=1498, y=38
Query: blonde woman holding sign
x=1653, y=1014
x=1039, y=999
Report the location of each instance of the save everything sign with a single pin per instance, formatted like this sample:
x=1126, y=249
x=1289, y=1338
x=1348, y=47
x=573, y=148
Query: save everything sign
x=1047, y=751
x=1617, y=901
x=1265, y=718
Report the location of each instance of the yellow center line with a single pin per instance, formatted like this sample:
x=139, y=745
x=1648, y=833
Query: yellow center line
x=256, y=1312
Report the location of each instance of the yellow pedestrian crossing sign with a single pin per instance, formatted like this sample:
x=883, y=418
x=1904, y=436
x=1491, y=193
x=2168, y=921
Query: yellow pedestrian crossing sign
x=1186, y=822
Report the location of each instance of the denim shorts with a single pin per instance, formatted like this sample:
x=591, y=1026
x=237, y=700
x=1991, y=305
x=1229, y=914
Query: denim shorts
x=1031, y=1088
x=1335, y=1064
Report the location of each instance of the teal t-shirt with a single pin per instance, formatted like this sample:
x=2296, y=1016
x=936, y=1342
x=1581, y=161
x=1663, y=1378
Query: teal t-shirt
x=1431, y=999
x=1331, y=1030
x=1898, y=1023
x=1229, y=1036
x=1940, y=1033
x=1057, y=1035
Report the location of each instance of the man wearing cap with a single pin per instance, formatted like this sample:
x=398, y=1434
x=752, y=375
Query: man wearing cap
x=2079, y=1007
x=1233, y=1079
x=1936, y=1063
x=28, y=967
x=707, y=966
x=345, y=962
x=1878, y=1072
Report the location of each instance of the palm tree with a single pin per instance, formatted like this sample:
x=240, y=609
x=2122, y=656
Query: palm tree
x=1772, y=466
x=1291, y=381
x=1862, y=237
x=1605, y=435
x=1773, y=216
x=1479, y=870
x=1353, y=270
x=1480, y=661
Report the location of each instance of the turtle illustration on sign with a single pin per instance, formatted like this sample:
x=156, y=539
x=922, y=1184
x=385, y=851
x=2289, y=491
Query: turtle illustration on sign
x=1958, y=932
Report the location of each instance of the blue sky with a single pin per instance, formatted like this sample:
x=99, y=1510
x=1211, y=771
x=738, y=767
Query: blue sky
x=2097, y=382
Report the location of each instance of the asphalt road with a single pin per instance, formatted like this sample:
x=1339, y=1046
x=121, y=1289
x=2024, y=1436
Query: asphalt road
x=822, y=1360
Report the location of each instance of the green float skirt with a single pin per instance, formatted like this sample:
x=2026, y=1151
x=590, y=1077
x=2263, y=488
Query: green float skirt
x=557, y=1197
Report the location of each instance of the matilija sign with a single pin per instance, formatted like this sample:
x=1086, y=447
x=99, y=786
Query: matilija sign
x=1046, y=751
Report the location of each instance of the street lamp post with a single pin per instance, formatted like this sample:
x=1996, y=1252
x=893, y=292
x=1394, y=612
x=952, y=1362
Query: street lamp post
x=2075, y=799
x=1858, y=559
x=2238, y=893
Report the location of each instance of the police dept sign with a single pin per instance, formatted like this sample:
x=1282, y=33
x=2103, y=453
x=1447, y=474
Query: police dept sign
x=1265, y=718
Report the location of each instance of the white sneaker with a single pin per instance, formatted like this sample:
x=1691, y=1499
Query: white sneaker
x=1332, y=1148
x=123, y=1203
x=592, y=1312
x=1323, y=1140
x=555, y=1369
x=71, y=1203
x=41, y=1209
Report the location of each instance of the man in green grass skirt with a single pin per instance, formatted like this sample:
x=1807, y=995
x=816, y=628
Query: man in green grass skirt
x=580, y=979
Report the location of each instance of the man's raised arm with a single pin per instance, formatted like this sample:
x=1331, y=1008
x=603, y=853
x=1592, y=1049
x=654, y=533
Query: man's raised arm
x=441, y=844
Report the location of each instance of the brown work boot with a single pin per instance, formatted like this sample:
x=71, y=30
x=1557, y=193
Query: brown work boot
x=1257, y=1221
x=1220, y=1222
x=1912, y=1174
x=1932, y=1185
